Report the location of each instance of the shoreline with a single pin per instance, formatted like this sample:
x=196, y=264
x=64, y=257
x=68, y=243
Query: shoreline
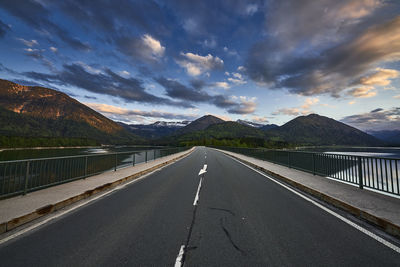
x=73, y=147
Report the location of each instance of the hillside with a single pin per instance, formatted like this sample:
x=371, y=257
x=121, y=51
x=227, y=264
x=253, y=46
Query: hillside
x=268, y=127
x=199, y=124
x=391, y=137
x=319, y=130
x=227, y=129
x=31, y=111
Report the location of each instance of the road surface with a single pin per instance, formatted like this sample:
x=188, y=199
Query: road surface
x=237, y=217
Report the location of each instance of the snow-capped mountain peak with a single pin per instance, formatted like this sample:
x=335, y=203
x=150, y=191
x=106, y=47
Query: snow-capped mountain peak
x=249, y=123
x=170, y=123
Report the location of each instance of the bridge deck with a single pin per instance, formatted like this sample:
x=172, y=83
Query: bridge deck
x=23, y=209
x=375, y=207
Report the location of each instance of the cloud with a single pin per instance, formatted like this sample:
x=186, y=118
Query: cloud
x=111, y=18
x=124, y=73
x=104, y=82
x=37, y=16
x=53, y=49
x=311, y=55
x=397, y=96
x=145, y=48
x=4, y=28
x=210, y=43
x=362, y=92
x=37, y=54
x=381, y=77
x=30, y=43
x=230, y=52
x=129, y=113
x=233, y=104
x=377, y=119
x=259, y=119
x=236, y=78
x=236, y=105
x=196, y=64
x=154, y=47
x=296, y=111
x=223, y=85
x=251, y=9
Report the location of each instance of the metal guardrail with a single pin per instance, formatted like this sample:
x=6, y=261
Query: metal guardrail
x=22, y=176
x=378, y=173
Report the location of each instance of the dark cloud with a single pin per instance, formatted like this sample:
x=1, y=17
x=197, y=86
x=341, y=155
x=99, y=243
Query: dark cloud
x=145, y=48
x=112, y=17
x=185, y=93
x=107, y=83
x=38, y=55
x=198, y=84
x=203, y=17
x=376, y=110
x=310, y=54
x=37, y=16
x=177, y=90
x=376, y=120
x=90, y=97
x=4, y=28
x=123, y=114
x=8, y=70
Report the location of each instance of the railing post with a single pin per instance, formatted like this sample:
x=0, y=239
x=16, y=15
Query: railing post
x=360, y=176
x=86, y=161
x=146, y=156
x=133, y=159
x=154, y=154
x=26, y=177
x=288, y=159
x=313, y=163
x=115, y=167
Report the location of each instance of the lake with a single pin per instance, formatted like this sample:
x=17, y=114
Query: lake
x=18, y=154
x=387, y=152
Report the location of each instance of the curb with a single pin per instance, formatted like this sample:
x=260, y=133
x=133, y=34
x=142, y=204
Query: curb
x=382, y=223
x=40, y=212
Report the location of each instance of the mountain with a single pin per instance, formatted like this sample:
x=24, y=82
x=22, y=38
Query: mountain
x=170, y=124
x=250, y=123
x=388, y=136
x=199, y=124
x=319, y=130
x=268, y=127
x=155, y=130
x=226, y=129
x=33, y=111
x=222, y=133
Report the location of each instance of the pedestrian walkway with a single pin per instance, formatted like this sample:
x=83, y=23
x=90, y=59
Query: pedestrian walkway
x=377, y=208
x=21, y=209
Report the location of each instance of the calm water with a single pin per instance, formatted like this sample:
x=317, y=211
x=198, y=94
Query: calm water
x=47, y=153
x=391, y=152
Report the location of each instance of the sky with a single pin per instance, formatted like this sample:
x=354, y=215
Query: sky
x=262, y=61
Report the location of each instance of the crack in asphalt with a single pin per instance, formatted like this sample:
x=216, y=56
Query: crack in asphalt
x=220, y=209
x=227, y=233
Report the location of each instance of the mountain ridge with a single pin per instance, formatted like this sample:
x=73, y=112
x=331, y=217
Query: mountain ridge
x=50, y=113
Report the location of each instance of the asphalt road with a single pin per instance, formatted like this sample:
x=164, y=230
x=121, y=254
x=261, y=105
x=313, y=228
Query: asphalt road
x=241, y=219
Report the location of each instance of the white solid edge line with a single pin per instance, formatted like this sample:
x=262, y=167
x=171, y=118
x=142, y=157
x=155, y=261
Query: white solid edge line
x=196, y=198
x=361, y=229
x=25, y=230
x=178, y=261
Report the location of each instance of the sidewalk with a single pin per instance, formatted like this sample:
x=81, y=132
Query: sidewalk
x=376, y=208
x=21, y=209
